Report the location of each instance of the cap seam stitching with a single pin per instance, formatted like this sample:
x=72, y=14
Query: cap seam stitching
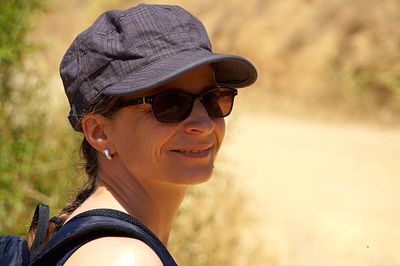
x=148, y=65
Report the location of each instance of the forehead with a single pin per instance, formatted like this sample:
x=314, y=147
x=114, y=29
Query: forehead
x=193, y=81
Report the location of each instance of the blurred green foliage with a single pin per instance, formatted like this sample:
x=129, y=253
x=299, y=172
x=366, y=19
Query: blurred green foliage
x=29, y=169
x=379, y=87
x=15, y=17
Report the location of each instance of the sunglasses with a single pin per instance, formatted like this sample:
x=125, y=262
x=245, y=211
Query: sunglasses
x=176, y=105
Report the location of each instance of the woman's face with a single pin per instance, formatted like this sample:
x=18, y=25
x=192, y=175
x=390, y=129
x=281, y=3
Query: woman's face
x=180, y=153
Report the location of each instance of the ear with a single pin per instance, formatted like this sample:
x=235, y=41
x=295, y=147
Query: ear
x=95, y=128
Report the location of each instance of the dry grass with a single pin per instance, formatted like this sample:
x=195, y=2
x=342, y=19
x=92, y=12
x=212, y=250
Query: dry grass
x=215, y=226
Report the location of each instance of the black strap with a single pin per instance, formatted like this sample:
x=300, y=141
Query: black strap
x=41, y=221
x=94, y=224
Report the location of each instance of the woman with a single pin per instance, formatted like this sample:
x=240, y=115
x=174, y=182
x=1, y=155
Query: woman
x=150, y=98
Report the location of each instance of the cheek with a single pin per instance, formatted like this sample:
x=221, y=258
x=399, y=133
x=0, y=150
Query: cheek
x=219, y=130
x=144, y=143
x=153, y=141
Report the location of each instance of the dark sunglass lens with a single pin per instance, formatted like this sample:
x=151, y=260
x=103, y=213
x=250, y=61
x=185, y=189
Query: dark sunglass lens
x=172, y=106
x=219, y=102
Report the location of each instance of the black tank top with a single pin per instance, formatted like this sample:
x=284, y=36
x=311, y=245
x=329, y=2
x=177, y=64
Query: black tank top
x=94, y=224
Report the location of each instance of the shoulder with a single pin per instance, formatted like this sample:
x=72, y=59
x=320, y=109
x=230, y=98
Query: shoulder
x=114, y=251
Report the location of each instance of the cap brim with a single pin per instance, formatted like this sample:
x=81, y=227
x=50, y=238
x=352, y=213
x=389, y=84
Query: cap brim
x=230, y=70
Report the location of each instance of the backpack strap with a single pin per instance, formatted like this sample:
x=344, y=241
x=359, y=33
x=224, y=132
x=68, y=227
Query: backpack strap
x=41, y=221
x=94, y=224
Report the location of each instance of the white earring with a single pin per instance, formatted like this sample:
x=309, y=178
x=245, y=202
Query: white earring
x=107, y=153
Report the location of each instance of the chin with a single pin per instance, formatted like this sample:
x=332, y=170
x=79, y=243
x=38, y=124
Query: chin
x=193, y=177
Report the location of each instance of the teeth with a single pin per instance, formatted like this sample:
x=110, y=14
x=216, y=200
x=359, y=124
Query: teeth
x=191, y=151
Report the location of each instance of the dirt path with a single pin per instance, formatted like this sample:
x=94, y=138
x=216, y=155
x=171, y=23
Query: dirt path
x=327, y=194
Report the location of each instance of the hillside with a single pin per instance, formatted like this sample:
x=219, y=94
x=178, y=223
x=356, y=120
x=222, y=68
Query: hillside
x=312, y=55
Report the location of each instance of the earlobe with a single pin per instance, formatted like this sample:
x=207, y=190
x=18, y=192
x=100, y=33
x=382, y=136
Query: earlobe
x=95, y=131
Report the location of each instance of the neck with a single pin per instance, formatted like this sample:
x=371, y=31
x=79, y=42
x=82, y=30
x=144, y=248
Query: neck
x=153, y=203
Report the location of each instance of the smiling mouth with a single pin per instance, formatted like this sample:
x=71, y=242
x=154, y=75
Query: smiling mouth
x=194, y=153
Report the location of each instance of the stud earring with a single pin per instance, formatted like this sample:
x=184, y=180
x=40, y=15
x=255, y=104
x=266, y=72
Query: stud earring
x=107, y=153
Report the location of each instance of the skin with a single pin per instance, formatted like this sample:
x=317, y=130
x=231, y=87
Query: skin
x=153, y=164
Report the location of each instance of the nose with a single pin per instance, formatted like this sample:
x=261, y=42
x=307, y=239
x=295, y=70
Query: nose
x=198, y=121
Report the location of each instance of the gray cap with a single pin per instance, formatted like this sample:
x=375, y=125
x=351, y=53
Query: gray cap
x=141, y=48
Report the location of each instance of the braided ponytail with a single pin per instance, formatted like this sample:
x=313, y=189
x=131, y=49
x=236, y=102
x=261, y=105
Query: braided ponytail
x=106, y=107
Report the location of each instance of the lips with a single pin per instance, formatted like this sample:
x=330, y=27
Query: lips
x=191, y=151
x=196, y=152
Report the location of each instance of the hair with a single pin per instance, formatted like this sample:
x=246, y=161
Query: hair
x=105, y=106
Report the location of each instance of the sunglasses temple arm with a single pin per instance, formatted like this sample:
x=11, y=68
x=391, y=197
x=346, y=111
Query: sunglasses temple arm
x=135, y=101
